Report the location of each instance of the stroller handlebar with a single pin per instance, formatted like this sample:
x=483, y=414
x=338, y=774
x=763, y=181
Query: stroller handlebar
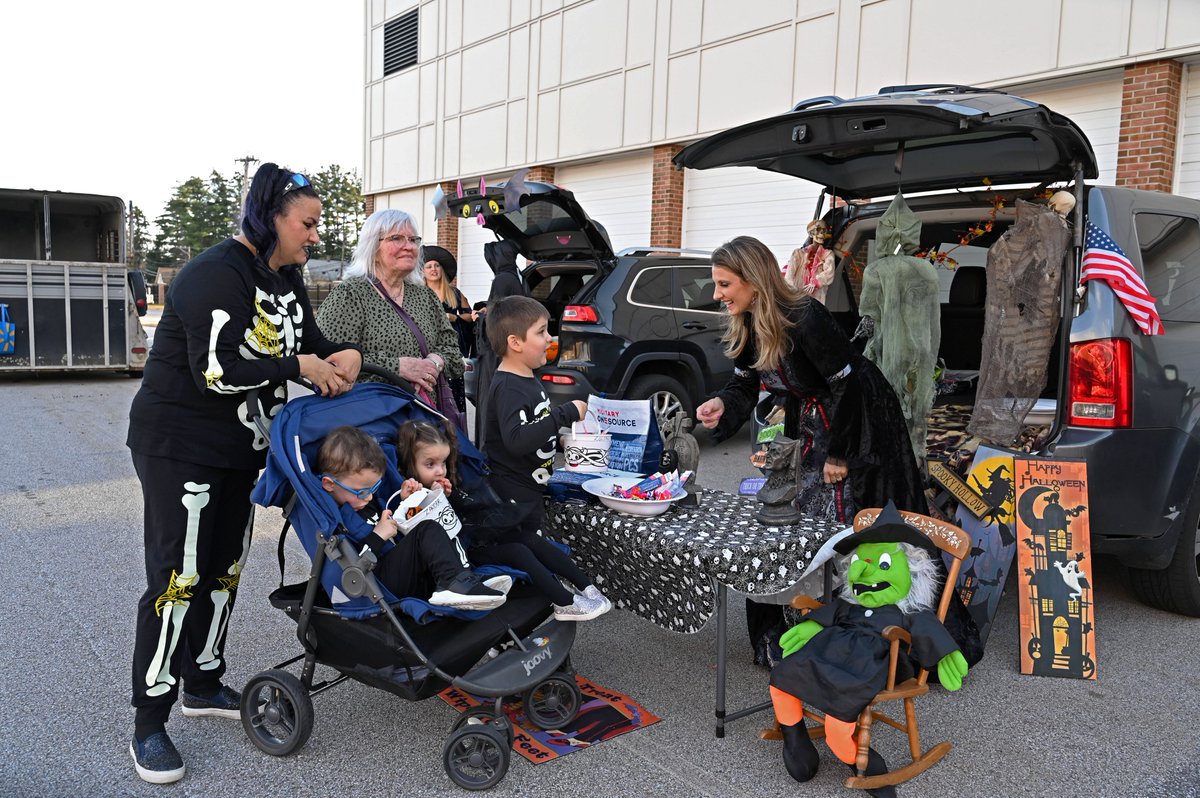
x=253, y=406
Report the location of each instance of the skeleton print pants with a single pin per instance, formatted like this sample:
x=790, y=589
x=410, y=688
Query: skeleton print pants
x=197, y=534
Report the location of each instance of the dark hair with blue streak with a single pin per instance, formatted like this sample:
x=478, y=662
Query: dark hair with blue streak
x=271, y=192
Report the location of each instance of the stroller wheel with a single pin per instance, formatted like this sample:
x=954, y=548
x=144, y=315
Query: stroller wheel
x=485, y=716
x=553, y=702
x=277, y=712
x=476, y=757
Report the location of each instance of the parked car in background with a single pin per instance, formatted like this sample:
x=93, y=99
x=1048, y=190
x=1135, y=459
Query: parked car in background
x=638, y=324
x=1122, y=401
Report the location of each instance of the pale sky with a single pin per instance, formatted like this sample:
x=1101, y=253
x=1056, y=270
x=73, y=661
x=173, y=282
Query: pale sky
x=132, y=97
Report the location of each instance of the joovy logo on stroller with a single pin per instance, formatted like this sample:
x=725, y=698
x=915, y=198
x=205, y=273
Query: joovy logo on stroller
x=537, y=659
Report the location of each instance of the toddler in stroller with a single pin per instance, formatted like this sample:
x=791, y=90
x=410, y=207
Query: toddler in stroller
x=349, y=621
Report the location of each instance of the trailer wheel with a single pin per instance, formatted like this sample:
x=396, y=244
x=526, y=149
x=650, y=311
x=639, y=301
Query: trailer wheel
x=277, y=712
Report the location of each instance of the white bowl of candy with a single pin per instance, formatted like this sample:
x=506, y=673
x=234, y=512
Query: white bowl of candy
x=637, y=496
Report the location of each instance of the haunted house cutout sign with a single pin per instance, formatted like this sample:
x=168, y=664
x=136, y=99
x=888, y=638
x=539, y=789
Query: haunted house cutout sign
x=1054, y=558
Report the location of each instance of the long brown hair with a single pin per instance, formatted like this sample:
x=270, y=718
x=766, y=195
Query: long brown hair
x=413, y=435
x=752, y=262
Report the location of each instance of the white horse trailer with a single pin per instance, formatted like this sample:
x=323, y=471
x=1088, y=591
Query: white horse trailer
x=65, y=285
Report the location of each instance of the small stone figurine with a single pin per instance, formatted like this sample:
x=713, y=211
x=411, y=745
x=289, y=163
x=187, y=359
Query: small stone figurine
x=778, y=495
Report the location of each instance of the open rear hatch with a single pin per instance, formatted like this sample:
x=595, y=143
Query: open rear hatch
x=906, y=137
x=546, y=222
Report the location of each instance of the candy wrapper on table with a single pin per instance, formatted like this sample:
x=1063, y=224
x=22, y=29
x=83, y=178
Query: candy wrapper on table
x=565, y=486
x=656, y=487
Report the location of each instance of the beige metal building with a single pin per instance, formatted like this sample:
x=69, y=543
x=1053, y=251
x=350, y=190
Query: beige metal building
x=597, y=95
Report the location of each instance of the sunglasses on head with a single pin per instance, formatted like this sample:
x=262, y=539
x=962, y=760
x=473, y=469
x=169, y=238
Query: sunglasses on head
x=297, y=181
x=359, y=493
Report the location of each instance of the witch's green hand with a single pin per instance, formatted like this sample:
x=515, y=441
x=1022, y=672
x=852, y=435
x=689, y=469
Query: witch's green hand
x=951, y=670
x=795, y=638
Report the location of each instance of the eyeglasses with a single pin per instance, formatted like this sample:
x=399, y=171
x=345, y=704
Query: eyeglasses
x=361, y=493
x=399, y=239
x=298, y=181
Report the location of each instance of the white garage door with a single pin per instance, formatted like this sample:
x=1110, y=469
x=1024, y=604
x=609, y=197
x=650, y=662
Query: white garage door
x=1095, y=105
x=1187, y=181
x=722, y=203
x=616, y=193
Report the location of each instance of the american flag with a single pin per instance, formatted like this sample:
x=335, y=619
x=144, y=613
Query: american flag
x=1104, y=260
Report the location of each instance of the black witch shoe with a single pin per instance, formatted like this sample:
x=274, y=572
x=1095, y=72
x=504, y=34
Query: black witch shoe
x=800, y=756
x=875, y=767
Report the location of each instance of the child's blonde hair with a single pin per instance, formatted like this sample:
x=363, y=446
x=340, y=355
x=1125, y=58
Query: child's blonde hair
x=348, y=450
x=413, y=435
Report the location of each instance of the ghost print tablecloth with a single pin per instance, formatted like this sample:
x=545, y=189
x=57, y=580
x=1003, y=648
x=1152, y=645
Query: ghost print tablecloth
x=664, y=569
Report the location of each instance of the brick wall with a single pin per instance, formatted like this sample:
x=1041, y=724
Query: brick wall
x=666, y=199
x=1150, y=101
x=447, y=226
x=369, y=201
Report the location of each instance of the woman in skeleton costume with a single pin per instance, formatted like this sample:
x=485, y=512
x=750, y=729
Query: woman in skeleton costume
x=237, y=318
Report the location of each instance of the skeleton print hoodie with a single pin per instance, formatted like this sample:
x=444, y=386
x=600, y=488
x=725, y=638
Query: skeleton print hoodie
x=230, y=324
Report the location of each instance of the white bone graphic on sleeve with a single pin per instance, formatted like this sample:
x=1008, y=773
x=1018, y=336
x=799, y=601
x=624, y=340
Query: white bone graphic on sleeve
x=173, y=604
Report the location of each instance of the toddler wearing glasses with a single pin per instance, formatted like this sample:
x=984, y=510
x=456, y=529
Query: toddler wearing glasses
x=424, y=562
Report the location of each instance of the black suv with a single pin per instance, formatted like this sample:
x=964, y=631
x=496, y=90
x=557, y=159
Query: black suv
x=639, y=324
x=1122, y=401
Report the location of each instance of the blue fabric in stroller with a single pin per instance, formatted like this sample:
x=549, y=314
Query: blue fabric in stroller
x=296, y=435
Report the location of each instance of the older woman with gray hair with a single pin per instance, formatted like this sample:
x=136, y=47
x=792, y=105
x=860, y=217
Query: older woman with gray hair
x=384, y=306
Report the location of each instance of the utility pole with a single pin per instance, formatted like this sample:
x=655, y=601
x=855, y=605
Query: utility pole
x=245, y=162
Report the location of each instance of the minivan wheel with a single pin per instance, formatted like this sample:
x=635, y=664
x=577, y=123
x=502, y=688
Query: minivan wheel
x=1176, y=588
x=667, y=397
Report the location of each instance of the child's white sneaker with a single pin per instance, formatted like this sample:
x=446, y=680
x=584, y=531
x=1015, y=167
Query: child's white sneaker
x=581, y=609
x=592, y=592
x=501, y=584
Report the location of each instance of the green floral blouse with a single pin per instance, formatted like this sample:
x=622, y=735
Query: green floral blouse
x=355, y=312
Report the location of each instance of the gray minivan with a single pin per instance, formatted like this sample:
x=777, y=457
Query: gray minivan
x=1121, y=400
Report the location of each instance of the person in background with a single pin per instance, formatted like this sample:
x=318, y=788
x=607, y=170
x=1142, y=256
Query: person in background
x=237, y=319
x=501, y=256
x=441, y=270
x=384, y=306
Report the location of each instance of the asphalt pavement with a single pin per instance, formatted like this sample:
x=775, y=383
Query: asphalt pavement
x=70, y=511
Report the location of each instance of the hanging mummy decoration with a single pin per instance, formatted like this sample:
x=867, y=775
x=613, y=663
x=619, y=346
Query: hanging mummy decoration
x=173, y=604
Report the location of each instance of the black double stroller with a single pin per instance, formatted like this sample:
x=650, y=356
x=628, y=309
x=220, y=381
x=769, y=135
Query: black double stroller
x=349, y=622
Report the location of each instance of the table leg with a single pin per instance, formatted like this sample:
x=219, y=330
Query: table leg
x=722, y=613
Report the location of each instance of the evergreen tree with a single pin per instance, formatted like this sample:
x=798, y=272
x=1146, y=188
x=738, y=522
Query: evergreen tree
x=342, y=214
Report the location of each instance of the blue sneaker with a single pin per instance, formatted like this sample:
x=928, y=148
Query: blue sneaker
x=157, y=760
x=226, y=703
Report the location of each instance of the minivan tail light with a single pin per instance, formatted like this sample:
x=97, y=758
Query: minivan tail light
x=580, y=314
x=1101, y=384
x=558, y=379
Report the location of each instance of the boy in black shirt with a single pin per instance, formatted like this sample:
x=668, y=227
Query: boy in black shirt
x=425, y=562
x=519, y=434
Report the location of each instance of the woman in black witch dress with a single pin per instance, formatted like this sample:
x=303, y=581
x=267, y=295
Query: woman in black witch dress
x=851, y=429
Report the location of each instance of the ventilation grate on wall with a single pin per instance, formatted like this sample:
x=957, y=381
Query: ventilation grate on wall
x=400, y=43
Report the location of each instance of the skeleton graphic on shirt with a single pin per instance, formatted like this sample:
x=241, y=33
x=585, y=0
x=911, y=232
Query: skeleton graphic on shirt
x=541, y=474
x=274, y=331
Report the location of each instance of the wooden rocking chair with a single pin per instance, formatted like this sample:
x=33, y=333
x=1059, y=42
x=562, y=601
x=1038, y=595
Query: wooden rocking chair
x=948, y=538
